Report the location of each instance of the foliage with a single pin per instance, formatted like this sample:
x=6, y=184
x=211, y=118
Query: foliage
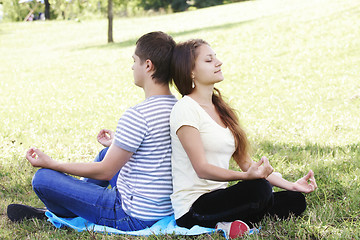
x=291, y=70
x=15, y=11
x=64, y=9
x=154, y=4
x=179, y=5
x=74, y=9
x=207, y=3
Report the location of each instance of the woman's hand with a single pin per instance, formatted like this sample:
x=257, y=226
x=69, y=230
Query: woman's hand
x=260, y=169
x=105, y=137
x=39, y=159
x=306, y=184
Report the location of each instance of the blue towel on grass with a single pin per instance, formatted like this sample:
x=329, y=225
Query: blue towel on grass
x=166, y=225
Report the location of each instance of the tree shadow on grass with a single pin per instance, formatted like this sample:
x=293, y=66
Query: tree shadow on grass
x=313, y=149
x=334, y=166
x=132, y=42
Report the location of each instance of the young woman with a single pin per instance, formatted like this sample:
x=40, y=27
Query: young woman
x=205, y=134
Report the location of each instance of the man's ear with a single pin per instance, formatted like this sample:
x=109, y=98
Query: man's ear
x=149, y=65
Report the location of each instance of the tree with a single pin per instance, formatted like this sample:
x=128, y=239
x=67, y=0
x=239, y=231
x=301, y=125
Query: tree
x=110, y=21
x=47, y=9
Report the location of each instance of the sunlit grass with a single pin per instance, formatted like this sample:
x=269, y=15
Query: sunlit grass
x=291, y=70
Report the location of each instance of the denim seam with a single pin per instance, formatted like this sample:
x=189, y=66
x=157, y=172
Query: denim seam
x=73, y=196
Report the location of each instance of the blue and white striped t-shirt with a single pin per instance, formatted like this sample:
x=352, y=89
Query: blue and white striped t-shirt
x=145, y=181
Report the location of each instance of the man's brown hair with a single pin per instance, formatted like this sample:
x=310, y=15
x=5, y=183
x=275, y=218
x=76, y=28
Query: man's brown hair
x=157, y=47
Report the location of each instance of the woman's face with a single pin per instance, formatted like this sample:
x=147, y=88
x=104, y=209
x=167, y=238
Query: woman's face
x=207, y=68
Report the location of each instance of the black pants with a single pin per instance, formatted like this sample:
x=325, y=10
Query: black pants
x=248, y=201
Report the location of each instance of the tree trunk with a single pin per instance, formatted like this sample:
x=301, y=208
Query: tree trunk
x=110, y=18
x=47, y=9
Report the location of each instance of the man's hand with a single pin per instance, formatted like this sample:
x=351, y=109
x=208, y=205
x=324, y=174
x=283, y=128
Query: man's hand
x=105, y=137
x=39, y=159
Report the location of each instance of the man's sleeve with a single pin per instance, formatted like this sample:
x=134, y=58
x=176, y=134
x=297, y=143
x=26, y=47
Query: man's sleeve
x=130, y=131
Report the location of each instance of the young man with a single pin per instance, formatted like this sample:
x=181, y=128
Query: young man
x=137, y=162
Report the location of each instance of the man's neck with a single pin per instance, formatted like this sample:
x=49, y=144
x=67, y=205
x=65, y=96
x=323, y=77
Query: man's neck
x=156, y=89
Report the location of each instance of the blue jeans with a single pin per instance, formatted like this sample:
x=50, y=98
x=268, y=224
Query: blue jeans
x=103, y=183
x=90, y=199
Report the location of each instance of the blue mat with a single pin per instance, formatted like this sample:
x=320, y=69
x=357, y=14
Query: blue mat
x=166, y=225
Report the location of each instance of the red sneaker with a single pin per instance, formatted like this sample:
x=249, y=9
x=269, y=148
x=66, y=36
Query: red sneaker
x=233, y=229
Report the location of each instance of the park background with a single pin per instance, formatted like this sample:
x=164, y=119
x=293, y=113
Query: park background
x=292, y=71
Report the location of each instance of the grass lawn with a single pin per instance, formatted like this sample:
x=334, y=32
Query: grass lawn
x=292, y=70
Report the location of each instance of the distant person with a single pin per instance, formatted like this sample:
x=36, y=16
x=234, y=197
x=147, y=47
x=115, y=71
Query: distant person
x=137, y=162
x=205, y=135
x=42, y=16
x=30, y=18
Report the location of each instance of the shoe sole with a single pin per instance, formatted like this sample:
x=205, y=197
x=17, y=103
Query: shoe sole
x=19, y=212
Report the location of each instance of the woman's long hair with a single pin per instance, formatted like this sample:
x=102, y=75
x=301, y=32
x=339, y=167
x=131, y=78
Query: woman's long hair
x=182, y=64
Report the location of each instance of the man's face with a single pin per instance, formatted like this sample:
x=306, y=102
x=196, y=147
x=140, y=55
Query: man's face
x=138, y=70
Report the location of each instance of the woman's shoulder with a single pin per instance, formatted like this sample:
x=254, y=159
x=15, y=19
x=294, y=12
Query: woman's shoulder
x=184, y=104
x=185, y=112
x=186, y=107
x=185, y=101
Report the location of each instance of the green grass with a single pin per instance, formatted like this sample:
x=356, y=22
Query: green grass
x=291, y=70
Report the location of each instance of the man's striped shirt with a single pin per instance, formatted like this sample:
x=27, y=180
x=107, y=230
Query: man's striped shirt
x=145, y=181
